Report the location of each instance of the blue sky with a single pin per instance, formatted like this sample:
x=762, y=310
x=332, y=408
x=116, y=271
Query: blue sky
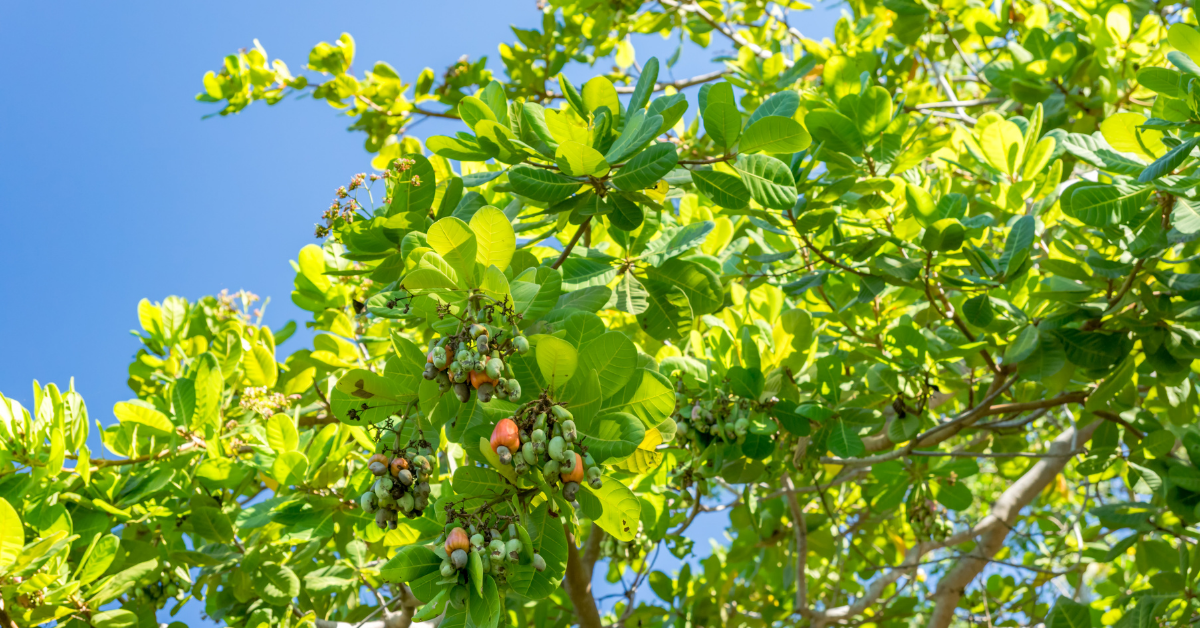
x=116, y=189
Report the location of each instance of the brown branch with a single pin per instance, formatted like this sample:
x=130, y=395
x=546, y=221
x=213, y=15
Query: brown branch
x=578, y=583
x=801, y=529
x=570, y=245
x=591, y=551
x=658, y=87
x=994, y=528
x=1077, y=396
x=708, y=160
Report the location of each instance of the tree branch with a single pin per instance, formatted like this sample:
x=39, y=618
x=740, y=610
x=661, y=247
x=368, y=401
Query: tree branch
x=591, y=551
x=801, y=528
x=658, y=87
x=578, y=583
x=570, y=245
x=994, y=528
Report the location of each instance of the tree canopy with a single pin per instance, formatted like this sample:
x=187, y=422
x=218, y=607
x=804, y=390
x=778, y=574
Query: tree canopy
x=914, y=307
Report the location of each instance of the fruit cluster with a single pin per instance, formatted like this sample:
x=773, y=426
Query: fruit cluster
x=542, y=435
x=713, y=413
x=923, y=515
x=401, y=484
x=475, y=359
x=628, y=551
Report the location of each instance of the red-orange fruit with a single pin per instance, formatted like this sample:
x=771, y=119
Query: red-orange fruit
x=457, y=540
x=398, y=463
x=576, y=474
x=506, y=434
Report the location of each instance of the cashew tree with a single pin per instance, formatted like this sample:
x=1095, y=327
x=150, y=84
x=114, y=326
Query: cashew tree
x=909, y=312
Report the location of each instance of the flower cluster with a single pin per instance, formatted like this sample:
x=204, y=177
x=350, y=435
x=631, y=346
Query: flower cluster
x=265, y=402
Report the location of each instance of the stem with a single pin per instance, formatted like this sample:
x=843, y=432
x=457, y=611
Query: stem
x=570, y=245
x=578, y=583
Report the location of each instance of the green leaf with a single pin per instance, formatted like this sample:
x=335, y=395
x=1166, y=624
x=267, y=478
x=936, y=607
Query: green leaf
x=1068, y=613
x=630, y=295
x=874, y=112
x=1002, y=144
x=613, y=507
x=613, y=357
x=781, y=105
x=496, y=242
x=411, y=563
x=1024, y=345
x=920, y=205
x=580, y=160
x=1185, y=216
x=726, y=190
x=541, y=184
x=473, y=110
x=612, y=435
x=844, y=441
x=648, y=395
x=455, y=148
x=645, y=85
x=572, y=96
x=12, y=535
x=276, y=583
x=774, y=134
x=454, y=240
x=746, y=383
x=289, y=468
x=99, y=558
x=639, y=131
x=147, y=417
x=556, y=359
x=118, y=618
x=701, y=285
x=646, y=168
x=668, y=314
x=600, y=92
x=411, y=197
x=834, y=130
x=769, y=180
x=1167, y=163
x=479, y=482
x=723, y=123
x=953, y=495
x=260, y=366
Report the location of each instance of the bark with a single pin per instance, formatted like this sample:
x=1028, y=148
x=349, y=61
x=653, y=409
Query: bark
x=399, y=619
x=993, y=529
x=578, y=584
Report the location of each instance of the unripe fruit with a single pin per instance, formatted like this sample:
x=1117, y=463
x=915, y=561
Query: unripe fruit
x=570, y=490
x=463, y=355
x=448, y=569
x=556, y=448
x=568, y=428
x=589, y=461
x=387, y=501
x=477, y=541
x=458, y=596
x=439, y=362
x=496, y=549
x=381, y=518
x=519, y=464
x=430, y=372
x=457, y=539
x=574, y=471
x=681, y=428
x=593, y=473
x=528, y=453
x=478, y=330
x=495, y=367
x=505, y=433
x=406, y=502
x=521, y=344
x=539, y=422
x=551, y=470
x=383, y=486
x=539, y=563
x=740, y=426
x=561, y=413
x=538, y=436
x=513, y=549
x=463, y=392
x=485, y=392
x=369, y=502
x=459, y=558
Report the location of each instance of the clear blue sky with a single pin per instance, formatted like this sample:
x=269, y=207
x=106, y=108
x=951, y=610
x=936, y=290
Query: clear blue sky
x=115, y=189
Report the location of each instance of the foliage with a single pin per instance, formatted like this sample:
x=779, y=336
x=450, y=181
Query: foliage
x=913, y=306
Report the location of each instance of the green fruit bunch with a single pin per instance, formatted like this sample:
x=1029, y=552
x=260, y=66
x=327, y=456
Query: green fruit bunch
x=927, y=522
x=712, y=414
x=401, y=484
x=542, y=435
x=475, y=358
x=626, y=551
